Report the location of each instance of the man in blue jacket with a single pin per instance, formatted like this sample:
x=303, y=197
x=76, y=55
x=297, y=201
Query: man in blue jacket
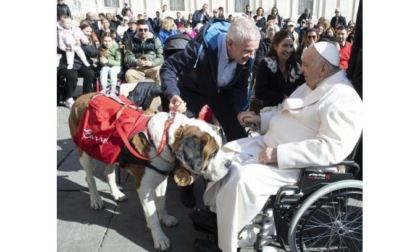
x=217, y=75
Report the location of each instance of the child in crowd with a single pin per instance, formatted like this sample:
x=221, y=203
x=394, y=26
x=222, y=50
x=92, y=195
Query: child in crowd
x=189, y=30
x=69, y=38
x=109, y=59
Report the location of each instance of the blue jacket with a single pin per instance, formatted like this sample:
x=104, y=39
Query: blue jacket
x=202, y=79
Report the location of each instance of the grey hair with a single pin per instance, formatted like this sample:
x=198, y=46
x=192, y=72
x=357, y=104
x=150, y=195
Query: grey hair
x=272, y=29
x=243, y=29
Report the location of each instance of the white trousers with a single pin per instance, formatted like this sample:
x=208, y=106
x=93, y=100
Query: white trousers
x=112, y=73
x=242, y=193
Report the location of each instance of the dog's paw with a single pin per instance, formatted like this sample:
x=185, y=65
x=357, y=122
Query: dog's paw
x=119, y=196
x=96, y=202
x=170, y=221
x=161, y=243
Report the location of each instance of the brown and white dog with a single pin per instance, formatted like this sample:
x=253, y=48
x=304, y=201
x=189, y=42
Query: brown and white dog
x=193, y=142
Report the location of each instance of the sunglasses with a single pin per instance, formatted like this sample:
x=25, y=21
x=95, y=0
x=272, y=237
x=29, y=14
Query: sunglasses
x=143, y=30
x=311, y=37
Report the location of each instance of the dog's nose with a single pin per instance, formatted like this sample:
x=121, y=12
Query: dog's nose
x=228, y=163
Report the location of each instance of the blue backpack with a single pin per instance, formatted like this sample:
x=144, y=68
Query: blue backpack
x=211, y=32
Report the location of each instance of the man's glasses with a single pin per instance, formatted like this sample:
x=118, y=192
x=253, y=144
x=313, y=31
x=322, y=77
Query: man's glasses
x=311, y=37
x=143, y=30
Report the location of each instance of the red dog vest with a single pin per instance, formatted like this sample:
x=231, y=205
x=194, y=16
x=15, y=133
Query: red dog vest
x=105, y=122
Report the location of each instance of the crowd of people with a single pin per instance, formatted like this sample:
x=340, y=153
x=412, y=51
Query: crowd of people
x=282, y=61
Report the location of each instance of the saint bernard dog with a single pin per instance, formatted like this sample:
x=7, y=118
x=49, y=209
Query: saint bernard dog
x=192, y=142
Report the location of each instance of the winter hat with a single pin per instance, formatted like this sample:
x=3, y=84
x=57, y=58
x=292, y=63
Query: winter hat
x=132, y=20
x=328, y=51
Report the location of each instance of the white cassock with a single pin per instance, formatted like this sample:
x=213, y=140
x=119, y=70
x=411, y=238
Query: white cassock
x=312, y=127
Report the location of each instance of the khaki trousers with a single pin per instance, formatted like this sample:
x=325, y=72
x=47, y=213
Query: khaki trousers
x=133, y=75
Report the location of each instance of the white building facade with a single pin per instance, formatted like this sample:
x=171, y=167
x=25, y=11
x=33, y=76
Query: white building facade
x=287, y=8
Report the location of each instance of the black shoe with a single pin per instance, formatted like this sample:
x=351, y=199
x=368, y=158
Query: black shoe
x=206, y=246
x=204, y=220
x=187, y=196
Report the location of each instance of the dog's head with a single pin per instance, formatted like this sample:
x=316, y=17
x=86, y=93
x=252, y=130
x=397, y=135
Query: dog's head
x=197, y=145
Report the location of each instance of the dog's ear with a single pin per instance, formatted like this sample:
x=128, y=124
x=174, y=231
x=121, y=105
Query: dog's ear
x=210, y=147
x=140, y=143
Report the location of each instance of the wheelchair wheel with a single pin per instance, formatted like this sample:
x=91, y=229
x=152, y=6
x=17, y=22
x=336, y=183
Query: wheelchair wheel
x=331, y=219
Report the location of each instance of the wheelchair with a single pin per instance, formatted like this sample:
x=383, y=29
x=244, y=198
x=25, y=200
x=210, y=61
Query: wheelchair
x=323, y=212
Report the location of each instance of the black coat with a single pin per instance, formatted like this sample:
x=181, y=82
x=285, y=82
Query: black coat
x=63, y=9
x=90, y=52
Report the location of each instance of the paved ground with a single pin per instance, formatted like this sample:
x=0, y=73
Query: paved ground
x=117, y=227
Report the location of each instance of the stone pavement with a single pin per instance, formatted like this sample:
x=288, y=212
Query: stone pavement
x=118, y=226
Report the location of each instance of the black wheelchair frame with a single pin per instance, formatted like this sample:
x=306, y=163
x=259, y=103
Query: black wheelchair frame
x=323, y=212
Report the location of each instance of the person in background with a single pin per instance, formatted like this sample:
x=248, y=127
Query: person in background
x=338, y=20
x=144, y=55
x=62, y=9
x=300, y=29
x=70, y=38
x=311, y=36
x=330, y=32
x=345, y=46
x=187, y=77
x=79, y=69
x=165, y=12
x=179, y=21
x=121, y=29
x=201, y=16
x=132, y=28
x=90, y=19
x=310, y=23
x=221, y=13
x=278, y=74
x=274, y=15
x=167, y=29
x=259, y=18
x=189, y=31
x=126, y=11
x=106, y=28
x=215, y=13
x=320, y=29
x=351, y=31
x=157, y=22
x=305, y=15
x=291, y=28
x=109, y=59
x=248, y=12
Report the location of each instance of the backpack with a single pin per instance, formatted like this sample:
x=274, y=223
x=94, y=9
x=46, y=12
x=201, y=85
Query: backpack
x=211, y=32
x=106, y=126
x=144, y=93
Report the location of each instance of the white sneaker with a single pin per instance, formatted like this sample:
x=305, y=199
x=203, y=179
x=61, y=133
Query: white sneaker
x=113, y=92
x=69, y=103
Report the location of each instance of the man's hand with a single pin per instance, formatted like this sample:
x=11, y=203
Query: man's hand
x=268, y=155
x=248, y=118
x=177, y=104
x=144, y=62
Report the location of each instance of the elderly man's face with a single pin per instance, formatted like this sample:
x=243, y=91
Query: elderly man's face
x=311, y=67
x=242, y=52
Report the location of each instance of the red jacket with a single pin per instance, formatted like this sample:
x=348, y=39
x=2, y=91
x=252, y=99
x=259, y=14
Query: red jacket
x=345, y=52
